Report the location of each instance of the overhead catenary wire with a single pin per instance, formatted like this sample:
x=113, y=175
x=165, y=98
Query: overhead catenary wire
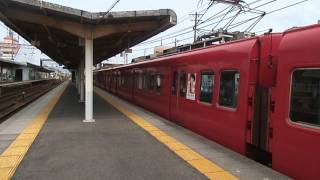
x=215, y=16
x=110, y=8
x=187, y=29
x=173, y=35
x=158, y=39
x=242, y=12
x=270, y=12
x=232, y=26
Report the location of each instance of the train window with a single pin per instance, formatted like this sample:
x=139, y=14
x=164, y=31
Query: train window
x=152, y=82
x=174, y=83
x=229, y=88
x=145, y=81
x=122, y=79
x=140, y=81
x=305, y=97
x=125, y=80
x=183, y=79
x=158, y=82
x=119, y=79
x=206, y=87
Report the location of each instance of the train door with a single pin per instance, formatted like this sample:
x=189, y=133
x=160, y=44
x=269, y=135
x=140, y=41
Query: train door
x=178, y=90
x=257, y=124
x=296, y=106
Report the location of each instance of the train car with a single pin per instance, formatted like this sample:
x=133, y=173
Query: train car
x=259, y=97
x=295, y=101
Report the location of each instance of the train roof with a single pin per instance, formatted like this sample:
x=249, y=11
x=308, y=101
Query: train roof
x=165, y=57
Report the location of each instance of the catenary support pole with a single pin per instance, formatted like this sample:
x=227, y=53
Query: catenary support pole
x=88, y=81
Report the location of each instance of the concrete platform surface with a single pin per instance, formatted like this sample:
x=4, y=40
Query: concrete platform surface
x=236, y=164
x=112, y=148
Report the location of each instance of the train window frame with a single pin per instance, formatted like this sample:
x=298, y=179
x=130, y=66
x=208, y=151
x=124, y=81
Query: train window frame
x=174, y=83
x=183, y=74
x=219, y=90
x=145, y=84
x=152, y=82
x=290, y=121
x=213, y=86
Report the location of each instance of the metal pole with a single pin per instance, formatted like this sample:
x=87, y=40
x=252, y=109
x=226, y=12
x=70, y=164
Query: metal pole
x=89, y=81
x=195, y=27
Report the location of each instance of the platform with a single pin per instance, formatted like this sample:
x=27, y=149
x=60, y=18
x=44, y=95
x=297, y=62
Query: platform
x=125, y=142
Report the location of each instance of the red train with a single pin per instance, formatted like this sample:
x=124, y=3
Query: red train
x=258, y=96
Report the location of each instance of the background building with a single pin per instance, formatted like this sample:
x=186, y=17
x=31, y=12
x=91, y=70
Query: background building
x=9, y=47
x=22, y=62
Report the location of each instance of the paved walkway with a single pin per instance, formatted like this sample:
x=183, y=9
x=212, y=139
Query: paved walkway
x=225, y=163
x=112, y=148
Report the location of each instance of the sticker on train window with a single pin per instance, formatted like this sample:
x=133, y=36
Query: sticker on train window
x=191, y=86
x=305, y=97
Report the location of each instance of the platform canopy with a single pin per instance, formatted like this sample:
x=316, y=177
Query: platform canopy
x=59, y=31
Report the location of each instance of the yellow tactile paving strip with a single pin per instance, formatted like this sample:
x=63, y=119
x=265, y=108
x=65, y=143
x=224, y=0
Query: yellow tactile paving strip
x=203, y=165
x=13, y=155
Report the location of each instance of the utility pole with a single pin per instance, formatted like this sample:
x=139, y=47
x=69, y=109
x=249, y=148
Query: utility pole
x=196, y=21
x=195, y=27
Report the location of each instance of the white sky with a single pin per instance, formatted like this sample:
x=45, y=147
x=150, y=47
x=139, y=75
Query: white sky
x=300, y=15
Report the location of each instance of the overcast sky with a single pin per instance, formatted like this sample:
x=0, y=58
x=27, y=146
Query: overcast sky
x=300, y=15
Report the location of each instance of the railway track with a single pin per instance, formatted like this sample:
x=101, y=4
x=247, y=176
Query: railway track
x=17, y=95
